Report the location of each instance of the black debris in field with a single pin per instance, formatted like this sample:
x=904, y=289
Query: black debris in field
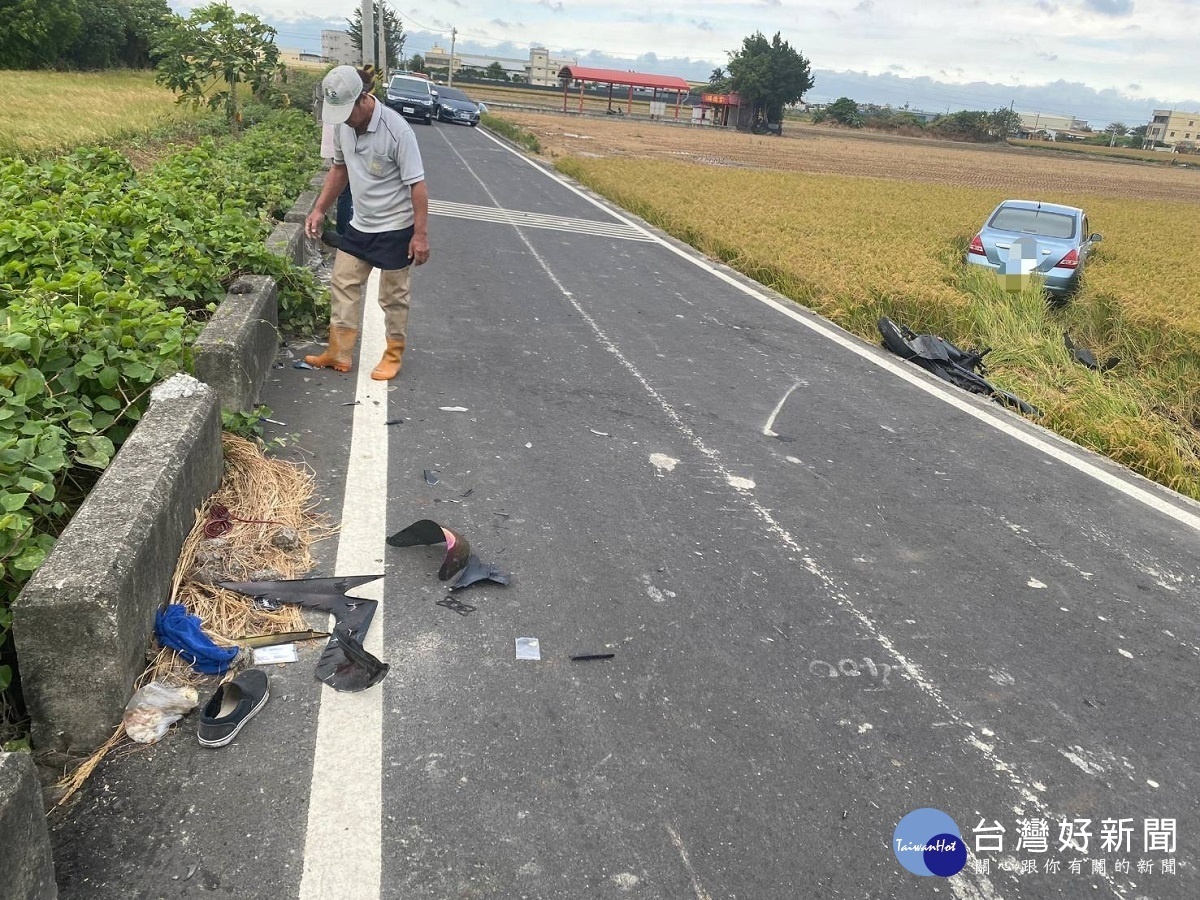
x=961, y=368
x=1086, y=357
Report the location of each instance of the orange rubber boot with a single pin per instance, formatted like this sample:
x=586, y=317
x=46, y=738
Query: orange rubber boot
x=389, y=366
x=339, y=355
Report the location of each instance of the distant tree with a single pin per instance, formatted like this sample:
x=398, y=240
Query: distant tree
x=417, y=63
x=1002, y=122
x=844, y=111
x=718, y=81
x=1117, y=128
x=1139, y=132
x=143, y=19
x=393, y=34
x=216, y=47
x=768, y=74
x=35, y=34
x=496, y=72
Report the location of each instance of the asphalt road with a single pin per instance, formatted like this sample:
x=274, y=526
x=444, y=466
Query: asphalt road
x=836, y=591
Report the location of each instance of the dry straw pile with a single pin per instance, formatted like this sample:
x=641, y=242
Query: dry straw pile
x=266, y=507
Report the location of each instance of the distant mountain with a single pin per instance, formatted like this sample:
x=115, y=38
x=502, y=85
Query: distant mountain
x=1063, y=98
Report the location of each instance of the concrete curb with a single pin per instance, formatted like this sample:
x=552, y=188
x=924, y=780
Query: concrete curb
x=83, y=622
x=24, y=838
x=233, y=354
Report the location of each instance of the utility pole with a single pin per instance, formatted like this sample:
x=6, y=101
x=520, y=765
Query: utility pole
x=368, y=30
x=381, y=31
x=450, y=72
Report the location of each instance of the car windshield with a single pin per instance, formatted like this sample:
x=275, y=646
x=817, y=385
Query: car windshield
x=1033, y=221
x=414, y=85
x=449, y=93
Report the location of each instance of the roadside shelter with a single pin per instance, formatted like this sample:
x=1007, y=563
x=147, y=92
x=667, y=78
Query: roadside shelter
x=583, y=75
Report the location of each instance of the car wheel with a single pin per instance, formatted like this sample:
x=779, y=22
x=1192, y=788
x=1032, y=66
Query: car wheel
x=473, y=124
x=429, y=120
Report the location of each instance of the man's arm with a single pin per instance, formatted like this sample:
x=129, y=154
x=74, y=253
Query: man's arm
x=336, y=180
x=418, y=248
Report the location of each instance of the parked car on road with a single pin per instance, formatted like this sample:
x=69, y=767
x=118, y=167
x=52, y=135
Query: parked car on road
x=455, y=106
x=1022, y=237
x=412, y=97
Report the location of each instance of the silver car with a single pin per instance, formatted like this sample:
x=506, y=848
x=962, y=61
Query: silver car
x=1023, y=237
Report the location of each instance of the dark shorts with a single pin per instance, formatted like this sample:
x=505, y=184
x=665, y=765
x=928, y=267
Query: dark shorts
x=384, y=250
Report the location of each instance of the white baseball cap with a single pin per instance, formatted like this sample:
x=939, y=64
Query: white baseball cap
x=341, y=89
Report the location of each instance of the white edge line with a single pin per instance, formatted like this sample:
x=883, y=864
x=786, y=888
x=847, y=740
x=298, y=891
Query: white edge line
x=917, y=378
x=343, y=839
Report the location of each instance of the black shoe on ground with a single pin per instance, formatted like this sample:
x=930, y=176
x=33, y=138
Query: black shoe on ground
x=231, y=707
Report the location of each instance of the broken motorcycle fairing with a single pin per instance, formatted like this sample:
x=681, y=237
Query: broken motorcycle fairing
x=459, y=563
x=344, y=665
x=961, y=368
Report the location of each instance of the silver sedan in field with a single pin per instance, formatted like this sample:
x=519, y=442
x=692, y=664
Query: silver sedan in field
x=1026, y=237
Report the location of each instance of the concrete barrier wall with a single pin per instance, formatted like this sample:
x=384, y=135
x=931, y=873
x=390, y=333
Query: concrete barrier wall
x=26, y=866
x=83, y=622
x=233, y=354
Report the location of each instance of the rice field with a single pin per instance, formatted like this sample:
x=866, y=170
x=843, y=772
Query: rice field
x=857, y=227
x=45, y=112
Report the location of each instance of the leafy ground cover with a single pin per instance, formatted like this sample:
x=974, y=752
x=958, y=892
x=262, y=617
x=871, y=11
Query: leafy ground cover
x=107, y=275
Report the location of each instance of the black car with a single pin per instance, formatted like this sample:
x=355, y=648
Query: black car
x=412, y=97
x=455, y=106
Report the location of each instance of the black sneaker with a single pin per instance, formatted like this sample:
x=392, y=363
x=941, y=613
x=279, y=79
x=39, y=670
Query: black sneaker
x=231, y=707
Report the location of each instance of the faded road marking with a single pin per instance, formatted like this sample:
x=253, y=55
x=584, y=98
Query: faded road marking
x=701, y=893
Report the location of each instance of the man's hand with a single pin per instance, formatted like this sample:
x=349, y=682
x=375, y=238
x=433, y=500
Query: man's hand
x=418, y=249
x=315, y=223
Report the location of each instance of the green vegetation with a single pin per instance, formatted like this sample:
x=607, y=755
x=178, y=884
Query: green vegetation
x=79, y=34
x=106, y=278
x=514, y=133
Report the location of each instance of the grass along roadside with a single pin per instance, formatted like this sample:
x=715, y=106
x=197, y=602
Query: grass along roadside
x=854, y=249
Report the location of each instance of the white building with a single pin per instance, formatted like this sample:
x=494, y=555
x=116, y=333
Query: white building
x=337, y=46
x=1174, y=128
x=543, y=68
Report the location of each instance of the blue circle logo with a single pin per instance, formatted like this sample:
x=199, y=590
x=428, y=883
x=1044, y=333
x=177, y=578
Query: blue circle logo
x=928, y=842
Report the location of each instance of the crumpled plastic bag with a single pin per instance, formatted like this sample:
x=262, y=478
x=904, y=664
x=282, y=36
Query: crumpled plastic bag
x=155, y=707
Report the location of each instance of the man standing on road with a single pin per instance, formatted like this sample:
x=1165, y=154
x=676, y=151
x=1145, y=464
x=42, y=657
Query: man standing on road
x=375, y=151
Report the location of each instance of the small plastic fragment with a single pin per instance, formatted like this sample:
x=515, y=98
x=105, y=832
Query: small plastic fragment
x=584, y=657
x=301, y=364
x=432, y=476
x=396, y=421
x=529, y=648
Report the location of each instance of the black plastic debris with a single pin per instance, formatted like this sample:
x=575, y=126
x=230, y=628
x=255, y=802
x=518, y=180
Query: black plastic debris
x=463, y=609
x=459, y=563
x=587, y=657
x=396, y=421
x=345, y=665
x=962, y=368
x=1086, y=357
x=432, y=476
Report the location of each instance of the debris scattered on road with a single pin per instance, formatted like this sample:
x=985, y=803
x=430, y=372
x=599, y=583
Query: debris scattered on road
x=276, y=653
x=463, y=609
x=155, y=707
x=528, y=445
x=301, y=364
x=272, y=421
x=452, y=408
x=600, y=433
x=345, y=665
x=396, y=421
x=352, y=403
x=529, y=648
x=459, y=563
x=432, y=476
x=287, y=637
x=585, y=657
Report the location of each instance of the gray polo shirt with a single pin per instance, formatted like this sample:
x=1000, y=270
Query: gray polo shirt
x=383, y=164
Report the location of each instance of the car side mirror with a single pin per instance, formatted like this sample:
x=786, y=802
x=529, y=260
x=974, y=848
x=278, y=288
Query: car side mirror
x=1096, y=238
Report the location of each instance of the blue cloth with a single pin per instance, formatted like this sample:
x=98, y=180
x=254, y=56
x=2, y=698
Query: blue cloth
x=181, y=632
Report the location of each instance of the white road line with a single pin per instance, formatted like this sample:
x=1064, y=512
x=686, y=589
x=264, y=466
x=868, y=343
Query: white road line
x=917, y=378
x=769, y=428
x=537, y=220
x=342, y=849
